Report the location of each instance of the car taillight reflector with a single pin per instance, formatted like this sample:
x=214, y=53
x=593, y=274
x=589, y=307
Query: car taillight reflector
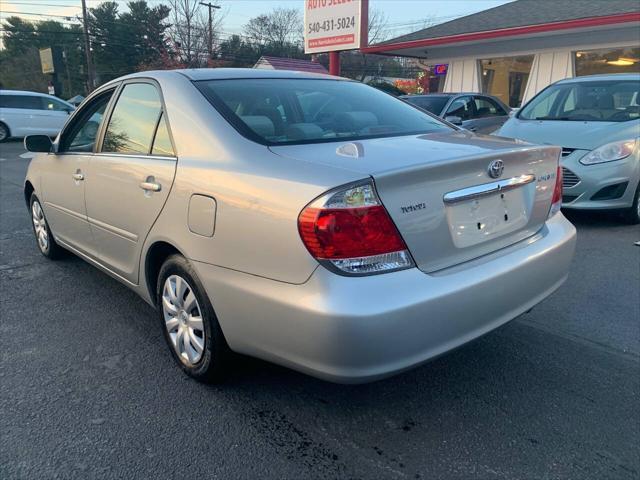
x=556, y=201
x=333, y=234
x=350, y=231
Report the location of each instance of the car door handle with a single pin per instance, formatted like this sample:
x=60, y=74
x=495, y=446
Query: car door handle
x=78, y=176
x=150, y=186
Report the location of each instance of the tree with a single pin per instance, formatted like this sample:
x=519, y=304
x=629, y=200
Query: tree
x=126, y=42
x=236, y=52
x=20, y=60
x=110, y=42
x=280, y=29
x=189, y=32
x=147, y=28
x=376, y=33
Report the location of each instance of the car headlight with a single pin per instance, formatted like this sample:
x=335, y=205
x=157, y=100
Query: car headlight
x=609, y=152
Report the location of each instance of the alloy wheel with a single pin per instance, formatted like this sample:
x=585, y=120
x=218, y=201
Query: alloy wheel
x=183, y=319
x=4, y=133
x=40, y=226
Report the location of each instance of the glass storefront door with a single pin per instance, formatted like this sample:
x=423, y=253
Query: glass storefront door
x=506, y=77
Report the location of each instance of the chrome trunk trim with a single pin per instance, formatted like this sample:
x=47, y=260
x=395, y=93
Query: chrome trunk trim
x=485, y=189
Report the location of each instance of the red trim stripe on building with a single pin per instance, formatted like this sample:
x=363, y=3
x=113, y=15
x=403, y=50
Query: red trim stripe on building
x=508, y=32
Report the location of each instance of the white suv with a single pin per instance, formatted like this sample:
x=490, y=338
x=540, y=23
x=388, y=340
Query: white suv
x=28, y=113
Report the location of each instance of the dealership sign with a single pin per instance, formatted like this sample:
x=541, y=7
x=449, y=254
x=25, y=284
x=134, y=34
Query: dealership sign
x=331, y=25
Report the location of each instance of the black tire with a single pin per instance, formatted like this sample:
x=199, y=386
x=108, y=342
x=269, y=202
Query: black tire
x=52, y=250
x=216, y=356
x=632, y=215
x=5, y=133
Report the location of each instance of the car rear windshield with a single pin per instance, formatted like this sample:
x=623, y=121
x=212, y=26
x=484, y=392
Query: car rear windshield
x=592, y=101
x=297, y=111
x=431, y=104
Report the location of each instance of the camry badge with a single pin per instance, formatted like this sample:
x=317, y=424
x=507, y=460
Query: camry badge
x=495, y=168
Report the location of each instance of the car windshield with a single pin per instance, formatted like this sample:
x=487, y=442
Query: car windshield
x=432, y=104
x=296, y=111
x=593, y=101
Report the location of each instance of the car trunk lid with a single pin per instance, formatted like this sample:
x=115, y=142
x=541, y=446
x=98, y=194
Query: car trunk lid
x=439, y=191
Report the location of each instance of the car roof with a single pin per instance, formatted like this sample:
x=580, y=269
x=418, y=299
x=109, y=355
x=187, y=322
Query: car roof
x=601, y=77
x=23, y=92
x=448, y=94
x=196, y=74
x=441, y=94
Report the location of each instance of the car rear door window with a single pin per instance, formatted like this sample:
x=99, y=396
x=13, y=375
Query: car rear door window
x=29, y=102
x=133, y=122
x=162, y=141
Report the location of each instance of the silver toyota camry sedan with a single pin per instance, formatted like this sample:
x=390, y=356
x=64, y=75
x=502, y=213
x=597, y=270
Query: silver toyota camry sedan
x=307, y=220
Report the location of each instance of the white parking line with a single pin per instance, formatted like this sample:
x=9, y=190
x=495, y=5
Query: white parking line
x=27, y=155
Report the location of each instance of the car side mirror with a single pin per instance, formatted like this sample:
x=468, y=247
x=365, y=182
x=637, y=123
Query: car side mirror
x=38, y=143
x=453, y=119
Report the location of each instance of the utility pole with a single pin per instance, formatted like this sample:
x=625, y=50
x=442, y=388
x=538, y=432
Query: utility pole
x=210, y=6
x=87, y=48
x=66, y=67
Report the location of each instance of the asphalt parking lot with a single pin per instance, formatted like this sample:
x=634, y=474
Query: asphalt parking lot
x=88, y=389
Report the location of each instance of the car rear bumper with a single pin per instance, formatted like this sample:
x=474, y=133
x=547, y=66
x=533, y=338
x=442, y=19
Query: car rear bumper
x=358, y=329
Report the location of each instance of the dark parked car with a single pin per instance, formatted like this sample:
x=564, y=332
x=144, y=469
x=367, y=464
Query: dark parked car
x=476, y=112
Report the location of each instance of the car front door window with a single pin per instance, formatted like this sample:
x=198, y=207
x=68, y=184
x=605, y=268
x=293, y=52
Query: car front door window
x=51, y=104
x=461, y=107
x=82, y=134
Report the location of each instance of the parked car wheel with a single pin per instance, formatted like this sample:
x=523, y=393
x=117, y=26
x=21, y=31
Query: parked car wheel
x=189, y=323
x=46, y=243
x=632, y=215
x=5, y=134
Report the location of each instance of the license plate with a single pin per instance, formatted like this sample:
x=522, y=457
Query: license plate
x=479, y=220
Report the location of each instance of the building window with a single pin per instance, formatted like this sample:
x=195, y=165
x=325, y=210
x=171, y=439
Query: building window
x=435, y=75
x=506, y=78
x=607, y=60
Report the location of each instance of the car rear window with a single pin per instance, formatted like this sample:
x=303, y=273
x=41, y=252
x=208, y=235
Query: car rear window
x=297, y=111
x=431, y=104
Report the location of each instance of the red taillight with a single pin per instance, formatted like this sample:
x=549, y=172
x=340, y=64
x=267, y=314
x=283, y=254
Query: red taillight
x=351, y=230
x=556, y=201
x=333, y=234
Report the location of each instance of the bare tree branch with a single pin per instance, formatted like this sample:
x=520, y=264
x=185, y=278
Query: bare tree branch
x=189, y=31
x=280, y=27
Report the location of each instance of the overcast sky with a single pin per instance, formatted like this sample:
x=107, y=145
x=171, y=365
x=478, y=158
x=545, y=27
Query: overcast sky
x=403, y=15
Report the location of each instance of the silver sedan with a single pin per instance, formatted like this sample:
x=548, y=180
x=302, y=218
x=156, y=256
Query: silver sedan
x=304, y=219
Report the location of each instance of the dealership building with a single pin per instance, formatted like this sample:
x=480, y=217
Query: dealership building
x=515, y=50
